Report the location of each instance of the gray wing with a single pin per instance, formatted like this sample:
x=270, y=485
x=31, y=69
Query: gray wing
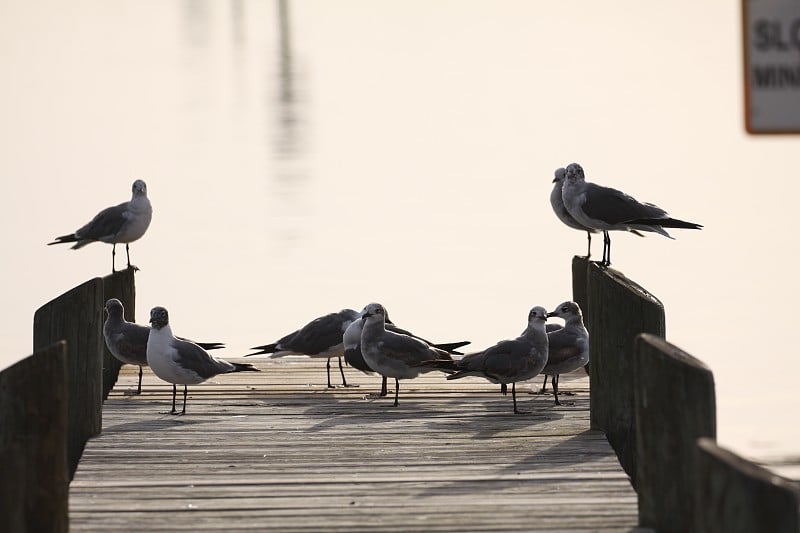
x=409, y=350
x=128, y=343
x=319, y=334
x=106, y=223
x=563, y=345
x=615, y=207
x=194, y=358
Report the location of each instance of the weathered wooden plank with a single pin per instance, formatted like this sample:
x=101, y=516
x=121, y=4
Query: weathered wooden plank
x=618, y=311
x=77, y=317
x=257, y=454
x=737, y=496
x=119, y=285
x=33, y=443
x=674, y=406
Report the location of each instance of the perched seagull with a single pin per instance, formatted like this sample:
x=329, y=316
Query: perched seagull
x=606, y=209
x=557, y=202
x=354, y=357
x=128, y=341
x=182, y=362
x=508, y=361
x=125, y=222
x=568, y=346
x=320, y=338
x=395, y=355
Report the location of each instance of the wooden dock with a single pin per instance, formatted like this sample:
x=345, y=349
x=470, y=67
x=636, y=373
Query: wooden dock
x=278, y=450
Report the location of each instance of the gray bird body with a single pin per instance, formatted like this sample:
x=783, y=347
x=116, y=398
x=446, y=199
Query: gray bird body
x=127, y=341
x=606, y=209
x=395, y=355
x=568, y=347
x=182, y=362
x=123, y=223
x=322, y=338
x=557, y=203
x=508, y=361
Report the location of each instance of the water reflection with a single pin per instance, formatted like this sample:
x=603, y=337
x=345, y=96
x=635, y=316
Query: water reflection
x=287, y=142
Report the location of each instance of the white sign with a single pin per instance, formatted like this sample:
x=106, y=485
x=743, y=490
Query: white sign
x=772, y=65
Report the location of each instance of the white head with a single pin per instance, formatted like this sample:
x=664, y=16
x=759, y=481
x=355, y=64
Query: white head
x=560, y=174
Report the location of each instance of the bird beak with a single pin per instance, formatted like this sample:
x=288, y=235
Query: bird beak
x=551, y=314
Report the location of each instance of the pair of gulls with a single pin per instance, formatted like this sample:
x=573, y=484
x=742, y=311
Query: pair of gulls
x=591, y=208
x=370, y=342
x=174, y=359
x=123, y=223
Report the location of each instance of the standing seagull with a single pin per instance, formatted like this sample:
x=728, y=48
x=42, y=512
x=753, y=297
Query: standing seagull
x=354, y=357
x=557, y=202
x=320, y=338
x=606, y=209
x=508, y=361
x=568, y=346
x=395, y=355
x=128, y=341
x=182, y=362
x=125, y=222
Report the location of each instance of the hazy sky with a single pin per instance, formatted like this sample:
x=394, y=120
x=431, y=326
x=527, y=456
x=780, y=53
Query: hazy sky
x=402, y=152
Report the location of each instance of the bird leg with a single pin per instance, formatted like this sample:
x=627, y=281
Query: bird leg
x=128, y=253
x=544, y=385
x=185, y=390
x=589, y=249
x=139, y=389
x=174, y=392
x=113, y=257
x=328, y=366
x=606, y=249
x=514, y=397
x=341, y=370
x=384, y=387
x=503, y=389
x=555, y=390
x=396, y=390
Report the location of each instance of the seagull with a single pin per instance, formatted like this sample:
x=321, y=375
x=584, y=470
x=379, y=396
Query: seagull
x=606, y=209
x=125, y=222
x=182, y=362
x=568, y=346
x=352, y=345
x=507, y=361
x=320, y=338
x=128, y=341
x=557, y=203
x=395, y=355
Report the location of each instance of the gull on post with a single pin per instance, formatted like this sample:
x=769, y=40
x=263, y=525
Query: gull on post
x=320, y=339
x=606, y=209
x=127, y=341
x=395, y=355
x=182, y=362
x=123, y=223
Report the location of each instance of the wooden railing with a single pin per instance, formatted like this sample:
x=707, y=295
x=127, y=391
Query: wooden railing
x=657, y=406
x=51, y=403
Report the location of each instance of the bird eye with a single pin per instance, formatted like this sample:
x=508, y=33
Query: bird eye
x=565, y=308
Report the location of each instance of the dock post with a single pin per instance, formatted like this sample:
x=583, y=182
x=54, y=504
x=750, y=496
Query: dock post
x=733, y=495
x=119, y=285
x=34, y=484
x=617, y=310
x=674, y=406
x=77, y=317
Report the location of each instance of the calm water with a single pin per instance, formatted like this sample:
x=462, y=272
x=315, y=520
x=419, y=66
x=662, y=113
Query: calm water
x=307, y=156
